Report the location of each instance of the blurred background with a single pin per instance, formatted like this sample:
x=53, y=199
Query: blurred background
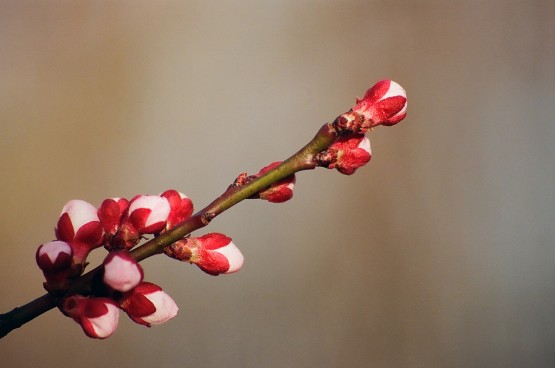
x=439, y=253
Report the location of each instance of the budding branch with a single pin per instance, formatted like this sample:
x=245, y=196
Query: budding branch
x=383, y=104
x=302, y=160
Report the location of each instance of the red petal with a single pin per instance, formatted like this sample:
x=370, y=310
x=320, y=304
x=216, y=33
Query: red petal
x=95, y=307
x=110, y=214
x=214, y=241
x=90, y=233
x=64, y=230
x=139, y=306
x=213, y=263
x=377, y=91
x=147, y=288
x=277, y=195
x=391, y=105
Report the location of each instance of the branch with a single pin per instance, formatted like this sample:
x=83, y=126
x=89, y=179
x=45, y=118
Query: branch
x=341, y=145
x=302, y=160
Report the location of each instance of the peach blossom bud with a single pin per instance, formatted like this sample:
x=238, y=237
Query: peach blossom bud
x=281, y=190
x=147, y=214
x=148, y=304
x=55, y=259
x=121, y=271
x=352, y=152
x=213, y=253
x=79, y=226
x=181, y=207
x=98, y=317
x=110, y=213
x=54, y=256
x=217, y=255
x=383, y=104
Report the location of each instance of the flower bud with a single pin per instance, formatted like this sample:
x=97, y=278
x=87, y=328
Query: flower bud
x=79, y=226
x=181, y=207
x=121, y=271
x=110, y=213
x=348, y=153
x=281, y=190
x=147, y=214
x=97, y=316
x=383, y=104
x=148, y=304
x=55, y=259
x=213, y=253
x=54, y=256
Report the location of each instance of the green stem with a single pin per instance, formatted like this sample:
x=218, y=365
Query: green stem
x=302, y=160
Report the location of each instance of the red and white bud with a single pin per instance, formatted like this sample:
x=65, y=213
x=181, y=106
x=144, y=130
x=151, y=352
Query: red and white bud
x=350, y=152
x=79, y=226
x=148, y=304
x=181, y=207
x=55, y=259
x=54, y=256
x=383, y=104
x=110, y=214
x=213, y=253
x=121, y=271
x=147, y=214
x=281, y=190
x=98, y=317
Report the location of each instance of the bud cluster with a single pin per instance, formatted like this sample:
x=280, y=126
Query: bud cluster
x=383, y=104
x=119, y=225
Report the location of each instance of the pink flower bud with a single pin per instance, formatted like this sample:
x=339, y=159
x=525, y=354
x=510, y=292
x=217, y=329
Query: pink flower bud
x=181, y=207
x=281, y=190
x=217, y=254
x=97, y=316
x=54, y=256
x=110, y=213
x=351, y=152
x=213, y=253
x=55, y=259
x=121, y=271
x=148, y=304
x=383, y=104
x=147, y=214
x=79, y=226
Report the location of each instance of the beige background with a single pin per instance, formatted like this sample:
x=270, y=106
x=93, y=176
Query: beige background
x=440, y=253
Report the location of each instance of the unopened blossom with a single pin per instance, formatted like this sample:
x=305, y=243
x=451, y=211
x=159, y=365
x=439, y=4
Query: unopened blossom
x=110, y=214
x=148, y=304
x=98, y=317
x=80, y=226
x=54, y=256
x=281, y=190
x=213, y=253
x=383, y=104
x=349, y=153
x=55, y=259
x=147, y=214
x=181, y=207
x=121, y=271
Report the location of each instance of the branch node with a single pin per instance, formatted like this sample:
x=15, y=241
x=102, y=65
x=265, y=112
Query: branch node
x=207, y=217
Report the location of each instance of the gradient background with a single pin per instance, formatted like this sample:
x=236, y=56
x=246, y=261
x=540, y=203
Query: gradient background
x=439, y=253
